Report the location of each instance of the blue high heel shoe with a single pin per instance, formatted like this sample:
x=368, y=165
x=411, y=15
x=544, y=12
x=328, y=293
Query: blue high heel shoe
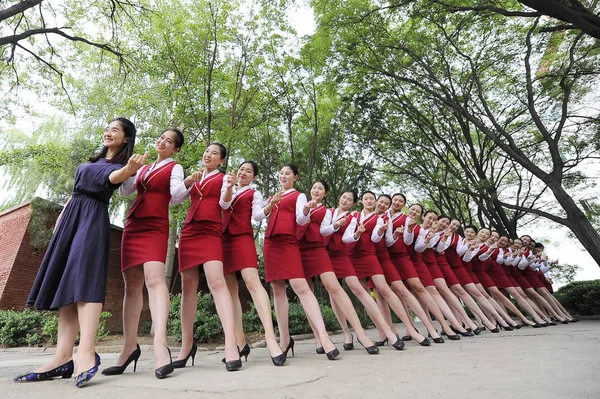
x=87, y=375
x=64, y=371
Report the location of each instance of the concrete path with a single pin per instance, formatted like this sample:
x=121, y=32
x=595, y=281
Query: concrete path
x=554, y=362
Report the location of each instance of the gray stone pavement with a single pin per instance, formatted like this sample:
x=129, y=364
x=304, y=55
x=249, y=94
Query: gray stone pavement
x=554, y=362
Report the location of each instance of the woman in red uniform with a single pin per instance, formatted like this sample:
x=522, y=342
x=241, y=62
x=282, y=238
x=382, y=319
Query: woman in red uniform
x=412, y=230
x=287, y=210
x=316, y=262
x=476, y=270
x=397, y=237
x=364, y=231
x=201, y=243
x=144, y=251
x=482, y=265
x=426, y=240
x=445, y=237
x=333, y=227
x=239, y=253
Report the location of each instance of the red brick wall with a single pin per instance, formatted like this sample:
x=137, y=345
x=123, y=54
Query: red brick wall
x=15, y=284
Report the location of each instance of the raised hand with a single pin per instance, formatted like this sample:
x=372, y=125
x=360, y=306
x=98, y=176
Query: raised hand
x=359, y=230
x=136, y=161
x=341, y=222
x=398, y=232
x=311, y=204
x=276, y=197
x=231, y=179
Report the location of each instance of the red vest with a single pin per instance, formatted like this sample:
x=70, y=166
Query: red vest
x=282, y=219
x=365, y=245
x=429, y=254
x=335, y=243
x=237, y=219
x=380, y=247
x=205, y=200
x=452, y=256
x=154, y=193
x=480, y=265
x=414, y=255
x=311, y=232
x=399, y=246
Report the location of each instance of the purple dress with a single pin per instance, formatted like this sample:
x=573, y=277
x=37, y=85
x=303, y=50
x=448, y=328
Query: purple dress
x=75, y=266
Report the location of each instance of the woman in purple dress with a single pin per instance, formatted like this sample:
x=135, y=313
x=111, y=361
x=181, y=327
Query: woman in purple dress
x=73, y=273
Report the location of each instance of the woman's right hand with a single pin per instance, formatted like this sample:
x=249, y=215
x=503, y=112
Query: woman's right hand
x=135, y=162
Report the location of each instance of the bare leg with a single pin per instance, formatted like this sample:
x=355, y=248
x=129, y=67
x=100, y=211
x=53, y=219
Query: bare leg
x=263, y=308
x=468, y=300
x=551, y=301
x=485, y=304
x=158, y=298
x=68, y=326
x=544, y=305
x=501, y=299
x=408, y=298
x=189, y=306
x=504, y=317
x=342, y=300
x=88, y=314
x=384, y=308
x=282, y=307
x=453, y=302
x=522, y=301
x=133, y=302
x=233, y=288
x=339, y=315
x=216, y=283
x=445, y=309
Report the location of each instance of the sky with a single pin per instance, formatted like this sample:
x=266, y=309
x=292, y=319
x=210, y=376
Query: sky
x=560, y=245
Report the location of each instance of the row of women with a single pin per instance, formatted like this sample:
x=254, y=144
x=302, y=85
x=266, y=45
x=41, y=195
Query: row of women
x=427, y=268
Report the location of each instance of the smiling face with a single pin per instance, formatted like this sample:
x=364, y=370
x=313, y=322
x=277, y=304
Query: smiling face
x=414, y=212
x=383, y=204
x=494, y=237
x=470, y=233
x=526, y=241
x=368, y=201
x=287, y=178
x=318, y=192
x=398, y=203
x=346, y=201
x=430, y=220
x=483, y=235
x=502, y=242
x=454, y=225
x=165, y=144
x=245, y=174
x=212, y=157
x=114, y=136
x=517, y=244
x=442, y=224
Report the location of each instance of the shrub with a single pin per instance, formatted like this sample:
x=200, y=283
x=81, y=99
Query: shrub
x=252, y=322
x=207, y=325
x=29, y=327
x=581, y=297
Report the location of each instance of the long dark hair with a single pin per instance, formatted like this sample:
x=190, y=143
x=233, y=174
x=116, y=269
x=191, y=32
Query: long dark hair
x=126, y=150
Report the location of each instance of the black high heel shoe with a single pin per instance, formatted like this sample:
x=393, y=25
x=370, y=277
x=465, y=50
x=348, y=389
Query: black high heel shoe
x=350, y=346
x=476, y=331
x=290, y=346
x=399, y=344
x=371, y=350
x=425, y=342
x=179, y=364
x=165, y=370
x=117, y=370
x=495, y=330
x=381, y=343
x=406, y=338
x=233, y=365
x=456, y=337
x=244, y=352
x=320, y=350
x=332, y=354
x=63, y=371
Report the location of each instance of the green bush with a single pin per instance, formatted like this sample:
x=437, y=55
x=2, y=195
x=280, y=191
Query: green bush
x=581, y=297
x=252, y=322
x=207, y=325
x=29, y=327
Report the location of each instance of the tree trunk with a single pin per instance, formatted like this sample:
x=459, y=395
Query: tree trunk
x=578, y=223
x=170, y=261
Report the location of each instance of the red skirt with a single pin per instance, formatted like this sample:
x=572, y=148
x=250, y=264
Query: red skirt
x=423, y=272
x=533, y=279
x=462, y=275
x=498, y=274
x=342, y=266
x=239, y=252
x=144, y=240
x=432, y=265
x=282, y=258
x=522, y=281
x=485, y=279
x=446, y=270
x=404, y=265
x=469, y=268
x=389, y=270
x=200, y=242
x=315, y=261
x=365, y=265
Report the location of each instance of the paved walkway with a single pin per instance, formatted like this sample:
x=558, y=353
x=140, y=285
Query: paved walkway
x=554, y=362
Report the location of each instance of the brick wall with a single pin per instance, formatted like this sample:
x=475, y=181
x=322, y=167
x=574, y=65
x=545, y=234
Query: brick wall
x=15, y=284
